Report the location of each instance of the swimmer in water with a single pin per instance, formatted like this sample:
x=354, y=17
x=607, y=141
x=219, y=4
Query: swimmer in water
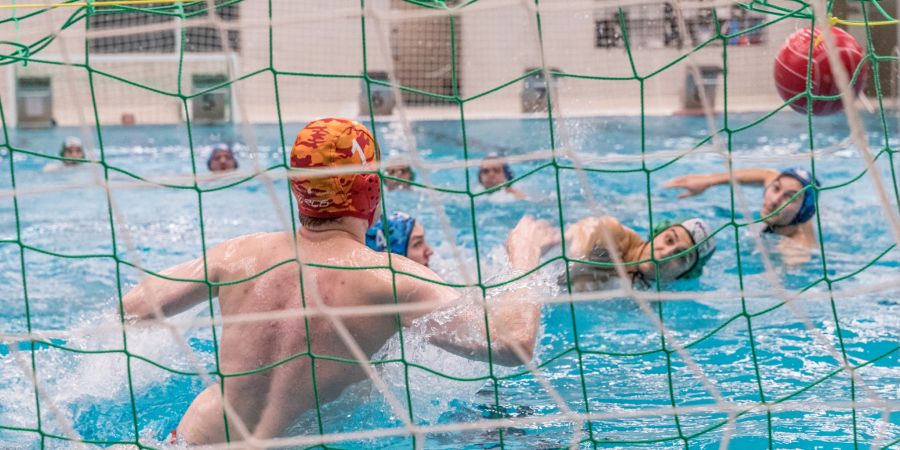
x=792, y=219
x=72, y=149
x=493, y=173
x=681, y=248
x=335, y=211
x=405, y=237
x=221, y=159
x=398, y=169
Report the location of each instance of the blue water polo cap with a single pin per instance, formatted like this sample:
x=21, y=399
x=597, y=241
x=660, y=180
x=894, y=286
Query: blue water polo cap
x=399, y=227
x=808, y=206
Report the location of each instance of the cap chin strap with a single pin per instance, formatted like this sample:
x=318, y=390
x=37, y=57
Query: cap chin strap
x=774, y=228
x=637, y=277
x=639, y=280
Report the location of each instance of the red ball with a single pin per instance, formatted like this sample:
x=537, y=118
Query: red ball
x=792, y=62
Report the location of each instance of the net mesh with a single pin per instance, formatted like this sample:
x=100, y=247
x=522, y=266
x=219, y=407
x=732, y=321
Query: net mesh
x=195, y=37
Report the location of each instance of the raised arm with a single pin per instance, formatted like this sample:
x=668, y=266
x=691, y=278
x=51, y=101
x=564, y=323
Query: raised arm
x=696, y=184
x=584, y=235
x=168, y=297
x=513, y=317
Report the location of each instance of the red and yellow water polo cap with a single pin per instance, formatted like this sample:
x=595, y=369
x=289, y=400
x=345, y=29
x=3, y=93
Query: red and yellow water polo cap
x=331, y=143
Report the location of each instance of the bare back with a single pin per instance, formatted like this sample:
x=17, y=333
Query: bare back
x=278, y=362
x=269, y=399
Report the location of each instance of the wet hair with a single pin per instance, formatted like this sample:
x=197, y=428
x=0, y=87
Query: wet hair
x=315, y=222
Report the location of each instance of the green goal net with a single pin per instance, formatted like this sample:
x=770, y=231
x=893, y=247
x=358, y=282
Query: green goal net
x=595, y=104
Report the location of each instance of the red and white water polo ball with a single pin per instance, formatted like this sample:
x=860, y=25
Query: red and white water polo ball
x=791, y=69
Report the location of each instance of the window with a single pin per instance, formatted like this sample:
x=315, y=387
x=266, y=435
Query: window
x=656, y=26
x=162, y=41
x=606, y=32
x=196, y=39
x=207, y=39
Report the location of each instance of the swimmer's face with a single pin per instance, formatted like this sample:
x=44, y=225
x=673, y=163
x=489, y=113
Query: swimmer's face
x=222, y=161
x=491, y=174
x=418, y=250
x=672, y=241
x=402, y=172
x=73, y=151
x=777, y=193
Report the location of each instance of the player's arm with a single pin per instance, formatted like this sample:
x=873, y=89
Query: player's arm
x=590, y=232
x=163, y=295
x=696, y=184
x=513, y=318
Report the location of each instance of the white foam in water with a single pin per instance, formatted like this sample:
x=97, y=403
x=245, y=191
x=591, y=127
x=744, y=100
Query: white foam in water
x=73, y=381
x=429, y=392
x=17, y=406
x=503, y=196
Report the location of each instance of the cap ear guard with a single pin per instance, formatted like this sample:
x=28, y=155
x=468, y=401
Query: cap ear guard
x=704, y=243
x=508, y=172
x=366, y=194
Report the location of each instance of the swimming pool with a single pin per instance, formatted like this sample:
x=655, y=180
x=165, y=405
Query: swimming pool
x=602, y=357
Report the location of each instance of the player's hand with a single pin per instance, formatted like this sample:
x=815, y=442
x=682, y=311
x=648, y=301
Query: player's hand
x=692, y=185
x=529, y=240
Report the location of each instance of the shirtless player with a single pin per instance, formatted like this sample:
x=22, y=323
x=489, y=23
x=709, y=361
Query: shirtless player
x=335, y=212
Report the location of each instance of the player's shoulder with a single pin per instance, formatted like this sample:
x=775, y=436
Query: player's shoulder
x=261, y=238
x=609, y=221
x=256, y=243
x=394, y=266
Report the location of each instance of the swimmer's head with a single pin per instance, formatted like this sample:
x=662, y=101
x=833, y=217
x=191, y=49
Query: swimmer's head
x=396, y=168
x=72, y=148
x=221, y=159
x=494, y=172
x=672, y=238
x=779, y=192
x=404, y=237
x=329, y=144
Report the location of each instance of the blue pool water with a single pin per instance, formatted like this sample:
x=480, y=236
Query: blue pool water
x=614, y=362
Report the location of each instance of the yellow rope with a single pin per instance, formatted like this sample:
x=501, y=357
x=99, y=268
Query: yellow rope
x=85, y=3
x=850, y=23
